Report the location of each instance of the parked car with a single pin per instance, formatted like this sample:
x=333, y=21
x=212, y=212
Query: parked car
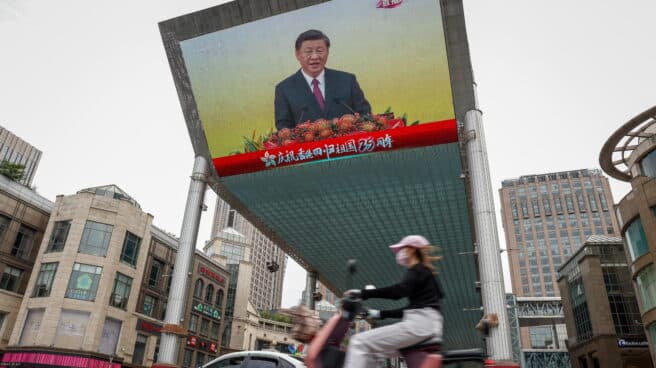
x=256, y=359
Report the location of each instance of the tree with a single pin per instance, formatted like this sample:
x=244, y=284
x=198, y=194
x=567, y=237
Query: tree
x=14, y=172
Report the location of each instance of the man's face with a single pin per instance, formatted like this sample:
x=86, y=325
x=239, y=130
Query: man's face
x=313, y=56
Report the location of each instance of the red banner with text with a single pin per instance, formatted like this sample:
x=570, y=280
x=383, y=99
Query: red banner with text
x=420, y=135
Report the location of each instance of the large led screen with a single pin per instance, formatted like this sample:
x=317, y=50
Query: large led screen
x=382, y=83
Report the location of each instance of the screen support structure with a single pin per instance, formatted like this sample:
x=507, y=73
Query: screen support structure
x=487, y=239
x=173, y=328
x=310, y=287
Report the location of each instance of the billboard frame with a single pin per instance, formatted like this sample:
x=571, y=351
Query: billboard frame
x=235, y=13
x=239, y=12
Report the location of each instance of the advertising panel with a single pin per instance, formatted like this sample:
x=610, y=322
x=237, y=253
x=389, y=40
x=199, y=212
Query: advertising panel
x=336, y=79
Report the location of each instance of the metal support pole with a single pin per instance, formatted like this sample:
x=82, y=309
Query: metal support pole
x=310, y=287
x=487, y=239
x=168, y=354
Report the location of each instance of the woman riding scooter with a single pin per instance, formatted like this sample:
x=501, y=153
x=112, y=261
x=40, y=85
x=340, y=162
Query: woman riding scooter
x=421, y=318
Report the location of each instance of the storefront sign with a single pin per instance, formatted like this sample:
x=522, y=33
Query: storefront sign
x=148, y=327
x=207, y=310
x=196, y=342
x=213, y=275
x=632, y=343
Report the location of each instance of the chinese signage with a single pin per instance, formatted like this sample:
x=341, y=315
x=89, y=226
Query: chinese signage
x=196, y=342
x=213, y=275
x=148, y=327
x=207, y=310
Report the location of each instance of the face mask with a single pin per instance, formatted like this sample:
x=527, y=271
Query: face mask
x=402, y=258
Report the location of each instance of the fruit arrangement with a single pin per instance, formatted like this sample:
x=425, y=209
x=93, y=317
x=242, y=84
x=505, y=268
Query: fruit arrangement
x=311, y=131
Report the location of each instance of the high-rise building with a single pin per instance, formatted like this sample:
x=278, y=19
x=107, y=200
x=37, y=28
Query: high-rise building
x=267, y=260
x=604, y=328
x=256, y=266
x=17, y=151
x=546, y=218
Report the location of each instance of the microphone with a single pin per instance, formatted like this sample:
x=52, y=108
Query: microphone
x=340, y=102
x=304, y=109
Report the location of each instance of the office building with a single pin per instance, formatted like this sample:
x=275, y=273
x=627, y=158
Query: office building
x=629, y=155
x=604, y=328
x=546, y=218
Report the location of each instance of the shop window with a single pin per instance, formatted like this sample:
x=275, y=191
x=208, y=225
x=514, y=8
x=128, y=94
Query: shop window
x=84, y=282
x=139, y=349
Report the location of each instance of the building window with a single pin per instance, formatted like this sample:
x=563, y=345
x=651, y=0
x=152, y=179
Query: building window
x=45, y=279
x=569, y=203
x=95, y=238
x=580, y=308
x=11, y=278
x=148, y=305
x=592, y=200
x=139, y=349
x=186, y=361
x=626, y=315
x=214, y=335
x=193, y=322
x=513, y=209
x=219, y=298
x=541, y=337
x=58, y=237
x=646, y=280
x=524, y=207
x=4, y=224
x=84, y=282
x=71, y=328
x=109, y=338
x=200, y=359
x=636, y=239
x=652, y=333
x=648, y=164
x=536, y=207
x=209, y=294
x=130, y=250
x=198, y=289
x=156, y=268
x=121, y=291
x=163, y=312
x=231, y=218
x=204, y=326
x=31, y=327
x=23, y=242
x=580, y=200
x=2, y=319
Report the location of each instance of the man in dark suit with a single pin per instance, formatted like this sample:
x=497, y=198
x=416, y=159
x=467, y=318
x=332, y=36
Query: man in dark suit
x=315, y=92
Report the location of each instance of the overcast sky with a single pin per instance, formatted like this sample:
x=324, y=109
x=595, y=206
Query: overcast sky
x=87, y=82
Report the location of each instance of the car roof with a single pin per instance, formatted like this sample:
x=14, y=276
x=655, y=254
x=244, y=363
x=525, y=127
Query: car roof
x=260, y=353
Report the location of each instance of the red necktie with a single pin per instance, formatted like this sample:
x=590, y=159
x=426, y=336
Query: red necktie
x=317, y=94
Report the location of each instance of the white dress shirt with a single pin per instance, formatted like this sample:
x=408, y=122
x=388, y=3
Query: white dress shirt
x=321, y=78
